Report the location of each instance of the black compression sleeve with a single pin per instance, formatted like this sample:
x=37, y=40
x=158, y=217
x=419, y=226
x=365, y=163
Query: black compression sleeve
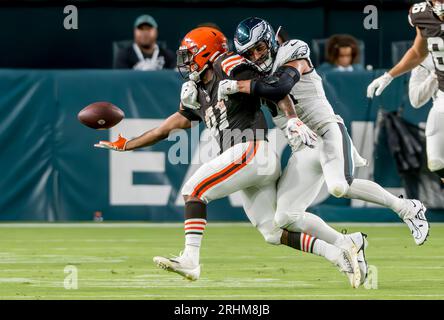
x=276, y=86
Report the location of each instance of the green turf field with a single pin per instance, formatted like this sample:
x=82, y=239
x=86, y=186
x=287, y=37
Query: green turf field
x=114, y=261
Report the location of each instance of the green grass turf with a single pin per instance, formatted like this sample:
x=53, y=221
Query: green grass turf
x=115, y=262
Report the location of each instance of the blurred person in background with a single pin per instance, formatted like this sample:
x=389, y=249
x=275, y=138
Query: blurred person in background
x=342, y=54
x=145, y=54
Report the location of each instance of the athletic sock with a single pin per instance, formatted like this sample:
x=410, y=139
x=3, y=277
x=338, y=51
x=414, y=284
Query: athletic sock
x=195, y=223
x=370, y=191
x=305, y=242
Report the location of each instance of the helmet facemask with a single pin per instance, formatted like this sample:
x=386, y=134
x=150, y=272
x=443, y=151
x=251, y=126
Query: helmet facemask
x=186, y=65
x=264, y=63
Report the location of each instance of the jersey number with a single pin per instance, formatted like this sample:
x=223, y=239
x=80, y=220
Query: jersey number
x=210, y=117
x=436, y=47
x=419, y=7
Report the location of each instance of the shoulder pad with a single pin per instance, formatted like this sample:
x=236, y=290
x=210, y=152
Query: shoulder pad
x=415, y=10
x=231, y=62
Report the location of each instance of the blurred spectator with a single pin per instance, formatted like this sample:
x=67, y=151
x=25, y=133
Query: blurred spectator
x=282, y=36
x=342, y=54
x=145, y=53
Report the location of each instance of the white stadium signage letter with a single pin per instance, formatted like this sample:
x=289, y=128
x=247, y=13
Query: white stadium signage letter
x=124, y=164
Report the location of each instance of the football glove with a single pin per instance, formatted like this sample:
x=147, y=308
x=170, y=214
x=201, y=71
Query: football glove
x=378, y=85
x=188, y=95
x=297, y=132
x=226, y=87
x=118, y=145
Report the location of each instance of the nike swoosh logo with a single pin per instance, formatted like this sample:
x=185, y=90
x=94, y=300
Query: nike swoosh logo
x=294, y=43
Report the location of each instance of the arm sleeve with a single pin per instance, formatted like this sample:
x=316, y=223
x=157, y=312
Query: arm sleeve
x=276, y=86
x=190, y=115
x=422, y=86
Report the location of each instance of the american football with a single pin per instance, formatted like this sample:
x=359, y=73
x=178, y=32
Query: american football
x=100, y=115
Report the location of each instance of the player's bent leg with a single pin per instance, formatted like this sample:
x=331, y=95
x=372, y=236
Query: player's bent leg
x=187, y=263
x=298, y=186
x=306, y=222
x=337, y=158
x=239, y=167
x=346, y=262
x=259, y=204
x=435, y=138
x=242, y=166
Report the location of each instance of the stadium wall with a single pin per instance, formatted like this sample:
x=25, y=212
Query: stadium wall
x=51, y=172
x=34, y=36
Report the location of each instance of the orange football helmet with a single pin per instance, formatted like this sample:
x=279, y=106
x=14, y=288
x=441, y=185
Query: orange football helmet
x=198, y=48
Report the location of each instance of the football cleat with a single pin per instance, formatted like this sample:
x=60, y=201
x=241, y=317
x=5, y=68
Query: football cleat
x=413, y=214
x=345, y=265
x=360, y=240
x=180, y=265
x=351, y=251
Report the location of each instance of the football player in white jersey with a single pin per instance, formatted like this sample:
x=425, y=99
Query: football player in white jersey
x=289, y=70
x=427, y=17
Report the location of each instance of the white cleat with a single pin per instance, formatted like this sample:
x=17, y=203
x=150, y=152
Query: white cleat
x=360, y=240
x=413, y=215
x=351, y=252
x=180, y=265
x=345, y=265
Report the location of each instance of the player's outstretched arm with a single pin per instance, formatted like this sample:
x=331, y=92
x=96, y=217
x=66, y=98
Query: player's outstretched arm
x=149, y=138
x=412, y=58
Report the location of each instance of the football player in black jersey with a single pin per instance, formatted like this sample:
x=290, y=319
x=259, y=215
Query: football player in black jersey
x=428, y=19
x=246, y=162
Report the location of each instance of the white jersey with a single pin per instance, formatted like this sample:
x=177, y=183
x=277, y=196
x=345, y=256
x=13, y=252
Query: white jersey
x=312, y=106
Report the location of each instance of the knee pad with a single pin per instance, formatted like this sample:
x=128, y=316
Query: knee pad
x=338, y=189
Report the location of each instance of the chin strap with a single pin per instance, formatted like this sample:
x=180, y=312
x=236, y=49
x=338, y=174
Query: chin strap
x=195, y=75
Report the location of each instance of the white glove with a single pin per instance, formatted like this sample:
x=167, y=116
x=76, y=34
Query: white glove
x=297, y=130
x=379, y=85
x=188, y=95
x=226, y=87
